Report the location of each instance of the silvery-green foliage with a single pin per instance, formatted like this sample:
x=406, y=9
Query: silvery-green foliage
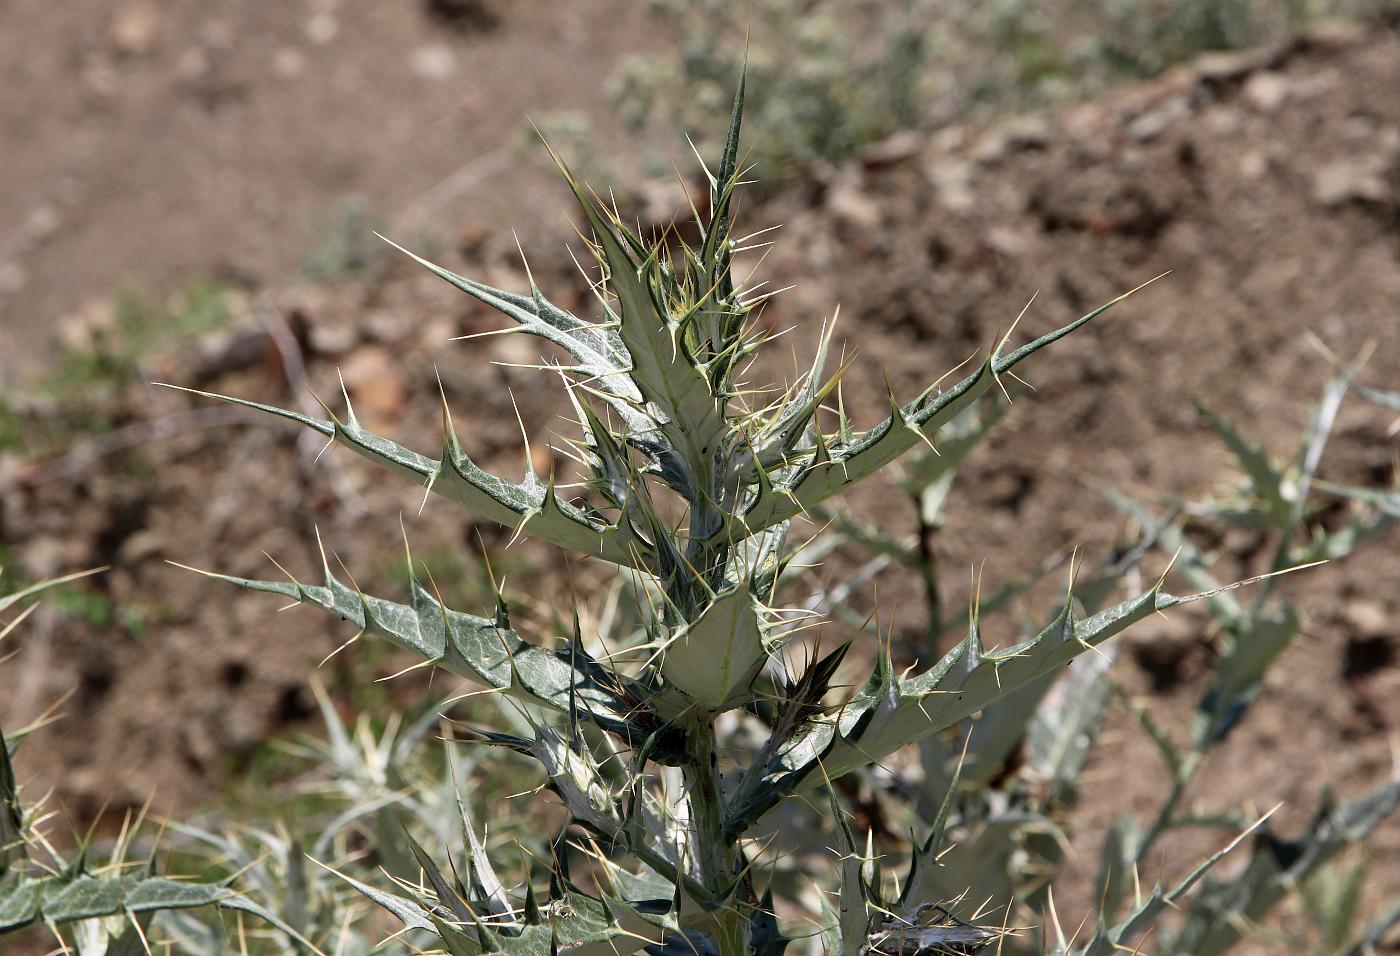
x=660, y=797
x=95, y=907
x=1017, y=764
x=373, y=789
x=1277, y=498
x=1221, y=914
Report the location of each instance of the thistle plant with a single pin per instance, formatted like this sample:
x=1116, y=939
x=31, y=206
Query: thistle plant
x=1016, y=766
x=692, y=481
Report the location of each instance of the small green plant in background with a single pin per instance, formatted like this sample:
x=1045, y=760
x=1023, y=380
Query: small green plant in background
x=11, y=427
x=109, y=347
x=1145, y=37
x=1139, y=38
x=112, y=351
x=344, y=248
x=837, y=77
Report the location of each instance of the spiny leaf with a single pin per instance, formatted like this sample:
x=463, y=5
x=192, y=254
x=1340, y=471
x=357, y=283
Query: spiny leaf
x=409, y=912
x=485, y=653
x=1390, y=400
x=69, y=897
x=11, y=815
x=883, y=718
x=923, y=857
x=576, y=779
x=1265, y=478
x=958, y=439
x=1332, y=897
x=1191, y=562
x=488, y=892
x=1250, y=648
x=1117, y=855
x=572, y=925
x=1371, y=940
x=820, y=477
x=932, y=932
x=853, y=925
x=1108, y=941
x=533, y=507
x=599, y=351
x=668, y=377
x=9, y=600
x=1067, y=722
x=1276, y=868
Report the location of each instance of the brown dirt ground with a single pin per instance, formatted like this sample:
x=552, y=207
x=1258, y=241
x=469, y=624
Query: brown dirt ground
x=1269, y=184
x=148, y=143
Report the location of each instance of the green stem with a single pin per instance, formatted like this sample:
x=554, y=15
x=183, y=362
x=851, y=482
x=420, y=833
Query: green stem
x=1181, y=779
x=928, y=570
x=717, y=856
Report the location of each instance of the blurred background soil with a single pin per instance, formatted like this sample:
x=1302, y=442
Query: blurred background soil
x=189, y=194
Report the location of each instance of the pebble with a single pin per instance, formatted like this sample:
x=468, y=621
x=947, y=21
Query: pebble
x=1022, y=133
x=289, y=62
x=1368, y=618
x=217, y=35
x=1253, y=164
x=1008, y=241
x=1266, y=91
x=80, y=328
x=99, y=78
x=1346, y=180
x=193, y=64
x=375, y=383
x=389, y=326
x=50, y=556
x=511, y=349
x=135, y=29
x=140, y=546
x=332, y=337
x=1224, y=67
x=43, y=222
x=850, y=204
x=894, y=148
x=435, y=62
x=1334, y=33
x=322, y=28
x=952, y=180
x=663, y=202
x=12, y=277
x=1153, y=123
x=436, y=332
x=1359, y=127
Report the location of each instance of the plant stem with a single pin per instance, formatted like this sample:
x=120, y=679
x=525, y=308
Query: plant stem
x=717, y=856
x=1181, y=778
x=928, y=570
